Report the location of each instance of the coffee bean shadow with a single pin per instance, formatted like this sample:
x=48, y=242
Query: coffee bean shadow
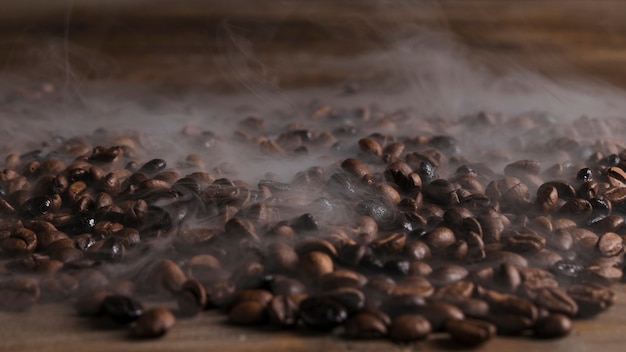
x=299, y=330
x=104, y=323
x=445, y=343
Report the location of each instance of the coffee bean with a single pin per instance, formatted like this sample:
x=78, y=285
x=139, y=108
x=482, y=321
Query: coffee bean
x=153, y=323
x=554, y=325
x=470, y=332
x=191, y=298
x=409, y=327
x=247, y=313
x=167, y=275
x=591, y=298
x=21, y=241
x=474, y=307
x=610, y=244
x=365, y=326
x=554, y=300
x=447, y=274
x=283, y=311
x=282, y=285
x=122, y=309
x=18, y=294
x=320, y=313
x=315, y=265
x=352, y=299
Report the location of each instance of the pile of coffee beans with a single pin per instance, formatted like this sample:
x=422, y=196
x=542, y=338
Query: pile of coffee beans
x=400, y=227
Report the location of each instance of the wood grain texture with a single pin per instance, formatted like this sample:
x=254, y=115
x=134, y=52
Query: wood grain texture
x=295, y=43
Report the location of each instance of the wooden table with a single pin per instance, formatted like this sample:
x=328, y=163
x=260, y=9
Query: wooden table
x=55, y=327
x=229, y=45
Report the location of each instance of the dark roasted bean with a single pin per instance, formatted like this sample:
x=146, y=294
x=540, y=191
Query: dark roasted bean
x=320, y=313
x=122, y=309
x=554, y=325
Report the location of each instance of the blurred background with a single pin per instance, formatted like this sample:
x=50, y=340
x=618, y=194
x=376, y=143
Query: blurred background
x=239, y=45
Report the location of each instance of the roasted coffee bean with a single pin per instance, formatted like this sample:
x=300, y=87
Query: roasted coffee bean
x=525, y=243
x=258, y=295
x=18, y=294
x=365, y=326
x=389, y=244
x=584, y=175
x=603, y=274
x=315, y=265
x=447, y=274
x=510, y=304
x=439, y=238
x=591, y=298
x=470, y=332
x=21, y=241
x=191, y=298
x=122, y=309
x=442, y=192
x=153, y=323
x=282, y=285
x=321, y=313
x=167, y=275
x=507, y=277
x=439, y=313
x=409, y=327
x=554, y=300
x=352, y=299
x=474, y=307
x=610, y=244
x=283, y=311
x=281, y=258
x=247, y=313
x=554, y=325
x=499, y=257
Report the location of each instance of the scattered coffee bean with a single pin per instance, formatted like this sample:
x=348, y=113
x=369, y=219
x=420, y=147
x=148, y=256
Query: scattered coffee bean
x=153, y=323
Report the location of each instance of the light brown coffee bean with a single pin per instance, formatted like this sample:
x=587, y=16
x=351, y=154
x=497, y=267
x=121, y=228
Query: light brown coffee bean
x=153, y=323
x=248, y=313
x=314, y=265
x=167, y=275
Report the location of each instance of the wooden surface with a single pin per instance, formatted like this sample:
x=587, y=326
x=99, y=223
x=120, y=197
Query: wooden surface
x=56, y=328
x=241, y=45
x=238, y=45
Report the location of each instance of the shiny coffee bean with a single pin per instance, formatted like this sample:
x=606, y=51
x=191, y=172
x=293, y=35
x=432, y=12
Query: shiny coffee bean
x=122, y=309
x=552, y=326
